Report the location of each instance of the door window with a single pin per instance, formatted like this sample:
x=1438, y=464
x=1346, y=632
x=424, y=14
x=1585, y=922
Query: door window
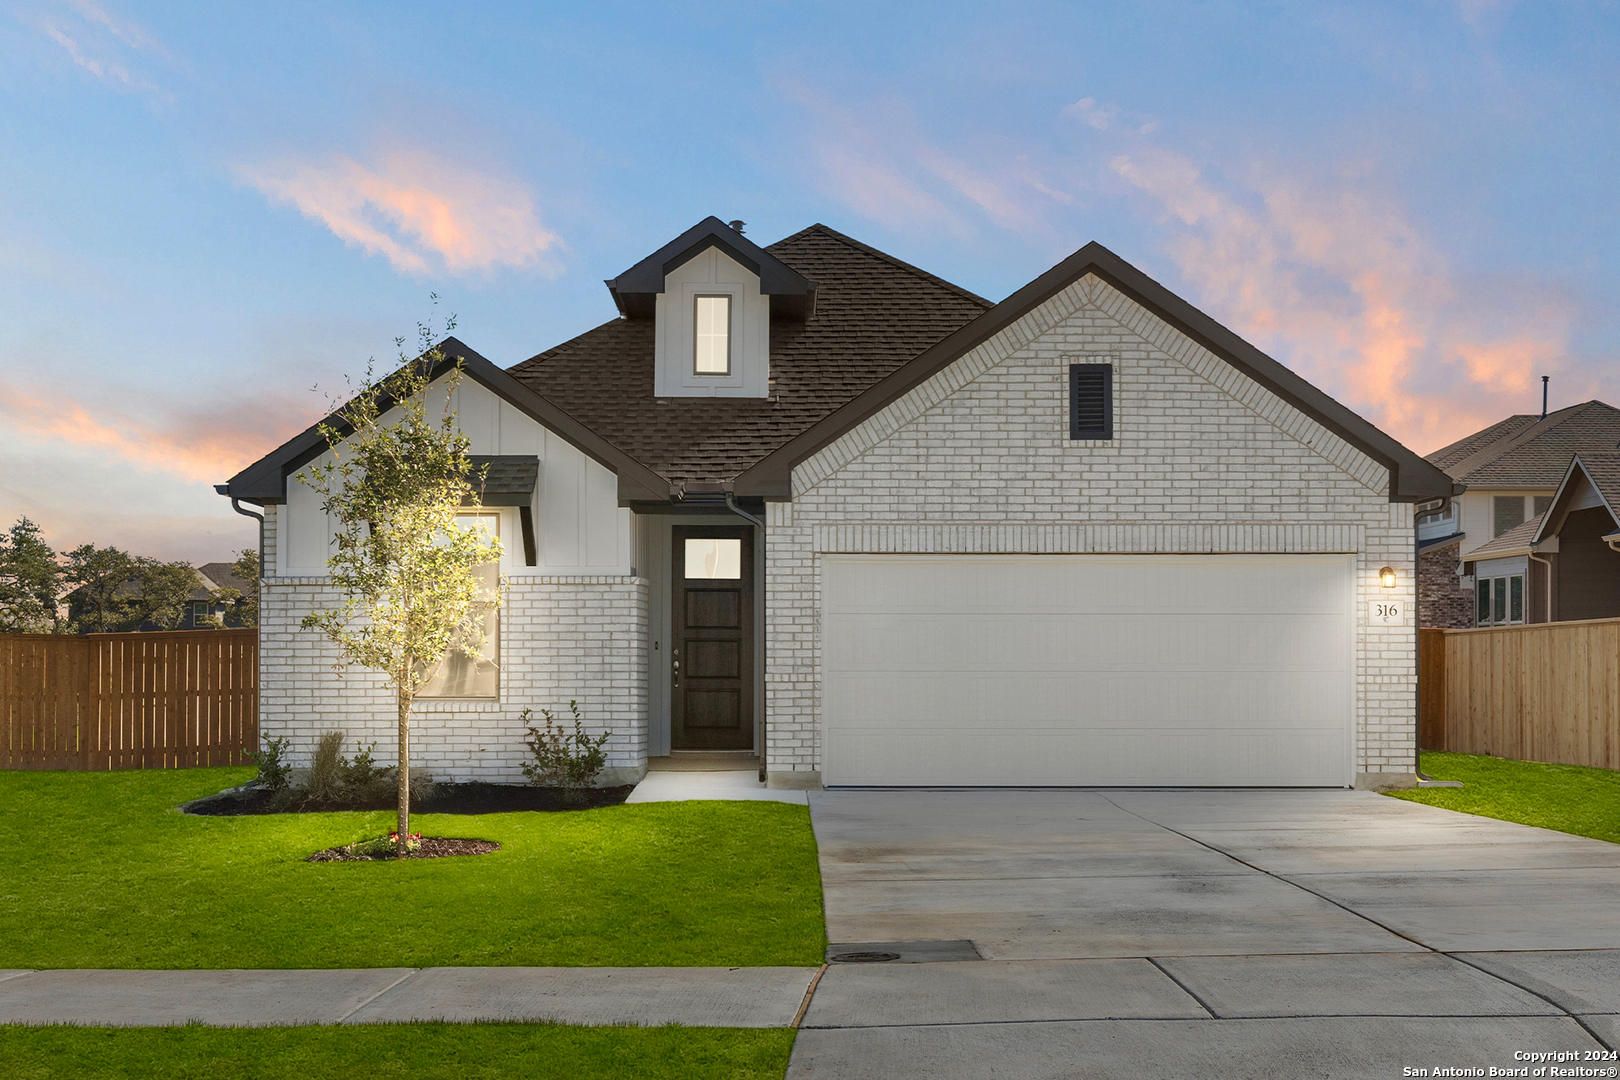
x=713, y=559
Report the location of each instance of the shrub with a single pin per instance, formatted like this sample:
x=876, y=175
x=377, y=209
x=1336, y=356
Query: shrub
x=274, y=773
x=570, y=760
x=326, y=770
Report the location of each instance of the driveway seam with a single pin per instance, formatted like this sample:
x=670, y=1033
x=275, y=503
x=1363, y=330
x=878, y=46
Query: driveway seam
x=1389, y=929
x=1189, y=991
x=409, y=974
x=1205, y=1020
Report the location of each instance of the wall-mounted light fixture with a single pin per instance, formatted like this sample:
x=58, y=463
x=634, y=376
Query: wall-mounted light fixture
x=1386, y=577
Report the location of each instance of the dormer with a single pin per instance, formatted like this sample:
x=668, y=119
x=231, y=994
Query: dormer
x=712, y=293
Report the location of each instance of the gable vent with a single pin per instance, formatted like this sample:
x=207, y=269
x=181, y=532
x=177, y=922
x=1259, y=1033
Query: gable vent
x=1091, y=401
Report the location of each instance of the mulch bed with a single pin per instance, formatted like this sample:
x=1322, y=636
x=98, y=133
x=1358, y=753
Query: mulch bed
x=429, y=847
x=443, y=799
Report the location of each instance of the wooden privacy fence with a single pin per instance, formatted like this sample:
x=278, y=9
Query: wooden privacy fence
x=1544, y=692
x=128, y=701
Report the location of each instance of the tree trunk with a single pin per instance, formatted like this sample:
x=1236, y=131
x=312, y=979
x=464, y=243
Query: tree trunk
x=404, y=772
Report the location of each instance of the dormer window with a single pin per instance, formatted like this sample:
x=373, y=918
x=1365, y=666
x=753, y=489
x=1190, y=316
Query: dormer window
x=711, y=325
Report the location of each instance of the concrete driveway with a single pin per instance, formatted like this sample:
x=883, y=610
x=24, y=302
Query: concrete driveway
x=1206, y=933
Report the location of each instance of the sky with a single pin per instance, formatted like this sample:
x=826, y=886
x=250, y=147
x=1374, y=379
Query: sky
x=212, y=214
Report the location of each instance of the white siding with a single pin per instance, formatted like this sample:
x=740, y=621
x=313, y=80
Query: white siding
x=712, y=273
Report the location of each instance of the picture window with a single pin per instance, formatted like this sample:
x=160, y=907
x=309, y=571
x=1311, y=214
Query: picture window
x=711, y=329
x=475, y=674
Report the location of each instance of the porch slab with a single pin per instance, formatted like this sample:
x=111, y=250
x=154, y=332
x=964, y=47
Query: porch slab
x=684, y=785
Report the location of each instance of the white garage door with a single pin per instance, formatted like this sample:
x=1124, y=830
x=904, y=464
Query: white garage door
x=1087, y=669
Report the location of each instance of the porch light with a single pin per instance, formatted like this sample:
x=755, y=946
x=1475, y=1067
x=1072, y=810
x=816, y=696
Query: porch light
x=1386, y=577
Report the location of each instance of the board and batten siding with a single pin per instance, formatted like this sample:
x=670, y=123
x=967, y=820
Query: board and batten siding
x=977, y=459
x=572, y=627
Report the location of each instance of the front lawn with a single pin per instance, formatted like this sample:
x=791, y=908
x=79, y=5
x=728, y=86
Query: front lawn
x=416, y=1051
x=1568, y=798
x=100, y=870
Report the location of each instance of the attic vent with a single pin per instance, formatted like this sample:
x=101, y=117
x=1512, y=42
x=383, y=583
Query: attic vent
x=1091, y=401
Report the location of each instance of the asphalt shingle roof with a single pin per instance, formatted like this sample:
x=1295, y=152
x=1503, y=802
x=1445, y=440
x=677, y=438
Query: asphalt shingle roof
x=1604, y=469
x=1533, y=454
x=872, y=314
x=1514, y=540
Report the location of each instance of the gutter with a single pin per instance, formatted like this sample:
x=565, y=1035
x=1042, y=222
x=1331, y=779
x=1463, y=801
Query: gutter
x=225, y=489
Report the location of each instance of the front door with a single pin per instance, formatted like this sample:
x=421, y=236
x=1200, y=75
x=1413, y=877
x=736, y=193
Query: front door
x=712, y=651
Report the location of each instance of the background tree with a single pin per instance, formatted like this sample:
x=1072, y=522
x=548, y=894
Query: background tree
x=396, y=480
x=163, y=594
x=102, y=599
x=241, y=605
x=30, y=581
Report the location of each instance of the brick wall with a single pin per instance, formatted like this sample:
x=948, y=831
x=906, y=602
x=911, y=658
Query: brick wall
x=1442, y=602
x=977, y=459
x=560, y=639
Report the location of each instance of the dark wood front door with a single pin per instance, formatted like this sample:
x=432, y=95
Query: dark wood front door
x=712, y=651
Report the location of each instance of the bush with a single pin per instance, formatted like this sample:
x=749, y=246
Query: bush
x=274, y=773
x=570, y=760
x=326, y=771
x=336, y=781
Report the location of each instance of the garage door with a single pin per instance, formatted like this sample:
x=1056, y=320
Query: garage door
x=1087, y=669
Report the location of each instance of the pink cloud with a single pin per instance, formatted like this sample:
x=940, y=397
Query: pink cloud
x=206, y=446
x=1331, y=276
x=419, y=210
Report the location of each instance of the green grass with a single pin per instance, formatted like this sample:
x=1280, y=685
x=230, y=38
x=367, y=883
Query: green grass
x=101, y=870
x=1568, y=798
x=381, y=1052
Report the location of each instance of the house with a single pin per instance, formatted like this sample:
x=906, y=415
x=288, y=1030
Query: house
x=810, y=502
x=201, y=609
x=1564, y=563
x=1511, y=471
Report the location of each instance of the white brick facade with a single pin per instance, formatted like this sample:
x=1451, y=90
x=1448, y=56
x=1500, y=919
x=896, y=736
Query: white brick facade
x=977, y=459
x=561, y=638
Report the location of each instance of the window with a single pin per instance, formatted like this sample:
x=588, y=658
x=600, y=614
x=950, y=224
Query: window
x=1542, y=503
x=712, y=336
x=201, y=612
x=1091, y=401
x=713, y=559
x=1499, y=601
x=1507, y=513
x=475, y=673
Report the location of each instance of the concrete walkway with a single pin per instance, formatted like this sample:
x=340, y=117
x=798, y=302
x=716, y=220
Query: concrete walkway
x=1206, y=933
x=699, y=997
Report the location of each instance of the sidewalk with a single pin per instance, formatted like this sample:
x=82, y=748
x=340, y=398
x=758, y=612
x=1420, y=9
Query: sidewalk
x=695, y=997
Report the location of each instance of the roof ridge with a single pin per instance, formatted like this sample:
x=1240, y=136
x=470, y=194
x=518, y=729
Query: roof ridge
x=917, y=271
x=1487, y=454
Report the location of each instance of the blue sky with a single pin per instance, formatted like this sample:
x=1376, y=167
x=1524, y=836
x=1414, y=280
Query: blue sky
x=206, y=212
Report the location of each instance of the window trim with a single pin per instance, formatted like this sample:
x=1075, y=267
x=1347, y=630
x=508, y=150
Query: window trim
x=697, y=300
x=1106, y=431
x=1485, y=597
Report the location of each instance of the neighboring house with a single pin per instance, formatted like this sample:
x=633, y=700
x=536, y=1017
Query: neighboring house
x=1561, y=565
x=201, y=609
x=811, y=502
x=1511, y=470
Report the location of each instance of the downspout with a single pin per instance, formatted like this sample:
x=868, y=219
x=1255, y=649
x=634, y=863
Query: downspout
x=764, y=598
x=224, y=489
x=1548, y=595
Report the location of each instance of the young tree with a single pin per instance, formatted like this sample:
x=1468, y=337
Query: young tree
x=29, y=581
x=241, y=605
x=394, y=485
x=102, y=600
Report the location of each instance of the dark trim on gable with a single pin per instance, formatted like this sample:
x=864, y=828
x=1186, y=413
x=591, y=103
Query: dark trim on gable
x=634, y=289
x=265, y=481
x=1412, y=479
x=1557, y=509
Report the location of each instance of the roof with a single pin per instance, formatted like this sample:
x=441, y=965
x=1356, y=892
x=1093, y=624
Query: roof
x=1518, y=540
x=1526, y=451
x=220, y=576
x=873, y=313
x=1411, y=477
x=1602, y=470
x=633, y=290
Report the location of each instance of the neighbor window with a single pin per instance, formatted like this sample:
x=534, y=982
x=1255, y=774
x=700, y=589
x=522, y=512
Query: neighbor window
x=1507, y=512
x=1091, y=401
x=713, y=558
x=712, y=336
x=475, y=673
x=1499, y=600
x=200, y=612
